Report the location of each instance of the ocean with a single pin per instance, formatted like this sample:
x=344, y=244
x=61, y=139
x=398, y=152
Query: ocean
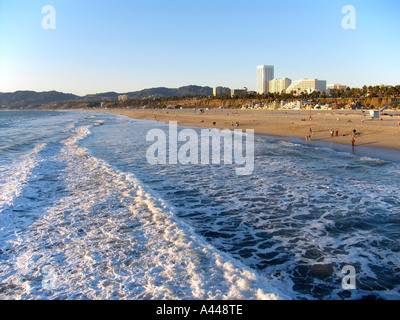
x=83, y=215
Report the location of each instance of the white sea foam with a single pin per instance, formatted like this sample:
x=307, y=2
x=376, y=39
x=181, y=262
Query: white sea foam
x=15, y=175
x=286, y=231
x=113, y=238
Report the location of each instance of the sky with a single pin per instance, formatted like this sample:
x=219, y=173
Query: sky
x=123, y=46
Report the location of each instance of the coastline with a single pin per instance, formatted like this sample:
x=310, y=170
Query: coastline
x=375, y=138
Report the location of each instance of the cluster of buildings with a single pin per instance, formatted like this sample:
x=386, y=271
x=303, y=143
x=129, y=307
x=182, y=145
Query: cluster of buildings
x=267, y=83
x=299, y=104
x=217, y=91
x=123, y=97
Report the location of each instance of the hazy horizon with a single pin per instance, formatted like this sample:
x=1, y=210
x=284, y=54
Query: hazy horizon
x=104, y=92
x=102, y=46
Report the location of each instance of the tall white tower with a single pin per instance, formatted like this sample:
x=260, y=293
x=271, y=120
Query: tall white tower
x=264, y=75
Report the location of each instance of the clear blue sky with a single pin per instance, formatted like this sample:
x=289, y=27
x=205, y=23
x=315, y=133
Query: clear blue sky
x=123, y=46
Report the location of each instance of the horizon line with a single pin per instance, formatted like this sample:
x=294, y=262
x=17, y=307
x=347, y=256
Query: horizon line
x=164, y=87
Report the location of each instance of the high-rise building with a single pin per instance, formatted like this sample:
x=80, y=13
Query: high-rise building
x=264, y=75
x=279, y=85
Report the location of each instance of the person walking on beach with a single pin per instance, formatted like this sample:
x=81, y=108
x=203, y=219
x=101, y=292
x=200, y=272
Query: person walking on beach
x=337, y=133
x=353, y=141
x=332, y=133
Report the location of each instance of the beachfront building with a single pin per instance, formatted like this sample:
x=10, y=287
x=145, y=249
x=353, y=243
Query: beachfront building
x=306, y=86
x=123, y=97
x=217, y=91
x=279, y=85
x=293, y=105
x=237, y=92
x=264, y=75
x=334, y=86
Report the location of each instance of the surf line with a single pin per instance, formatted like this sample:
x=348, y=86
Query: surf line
x=188, y=153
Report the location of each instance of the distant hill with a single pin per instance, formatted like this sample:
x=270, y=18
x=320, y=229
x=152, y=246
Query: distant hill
x=159, y=92
x=101, y=96
x=32, y=99
x=166, y=92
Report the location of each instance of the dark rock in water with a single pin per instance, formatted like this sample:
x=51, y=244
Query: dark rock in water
x=321, y=271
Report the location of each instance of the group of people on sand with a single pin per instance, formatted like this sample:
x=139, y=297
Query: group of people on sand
x=333, y=133
x=353, y=140
x=308, y=137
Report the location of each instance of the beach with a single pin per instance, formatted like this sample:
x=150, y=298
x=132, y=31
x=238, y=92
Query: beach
x=380, y=133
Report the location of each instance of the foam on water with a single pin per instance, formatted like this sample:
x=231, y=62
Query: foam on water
x=304, y=214
x=93, y=218
x=110, y=238
x=14, y=175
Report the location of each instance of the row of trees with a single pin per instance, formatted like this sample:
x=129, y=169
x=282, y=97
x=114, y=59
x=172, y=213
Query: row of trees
x=348, y=93
x=368, y=92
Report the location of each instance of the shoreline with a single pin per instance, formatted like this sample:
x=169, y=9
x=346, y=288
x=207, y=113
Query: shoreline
x=379, y=153
x=374, y=138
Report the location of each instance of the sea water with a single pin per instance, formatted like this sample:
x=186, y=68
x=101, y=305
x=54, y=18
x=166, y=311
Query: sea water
x=83, y=215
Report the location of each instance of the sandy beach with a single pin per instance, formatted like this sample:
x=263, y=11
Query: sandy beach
x=382, y=133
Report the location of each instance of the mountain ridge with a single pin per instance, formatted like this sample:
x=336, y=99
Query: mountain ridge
x=32, y=99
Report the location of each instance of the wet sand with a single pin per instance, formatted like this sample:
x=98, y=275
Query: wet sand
x=379, y=133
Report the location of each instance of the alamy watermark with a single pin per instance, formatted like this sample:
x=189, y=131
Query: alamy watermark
x=349, y=20
x=49, y=20
x=234, y=150
x=349, y=280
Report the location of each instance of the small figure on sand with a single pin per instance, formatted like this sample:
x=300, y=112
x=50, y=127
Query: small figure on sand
x=332, y=133
x=353, y=141
x=237, y=124
x=337, y=133
x=214, y=123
